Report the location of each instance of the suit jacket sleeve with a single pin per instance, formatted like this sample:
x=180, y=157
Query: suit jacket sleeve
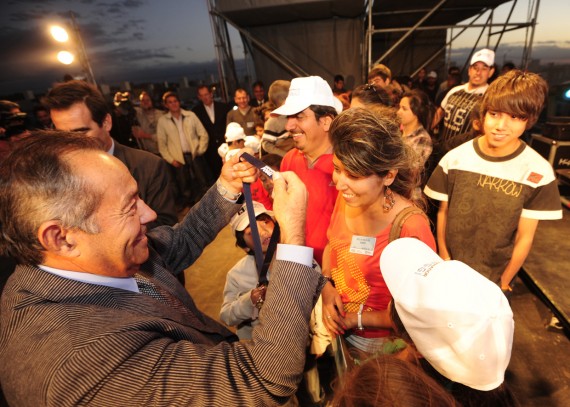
x=144, y=365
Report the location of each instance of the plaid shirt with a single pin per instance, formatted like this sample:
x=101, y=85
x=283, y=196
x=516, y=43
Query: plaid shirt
x=420, y=141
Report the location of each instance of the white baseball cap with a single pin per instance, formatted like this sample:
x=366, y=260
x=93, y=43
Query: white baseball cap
x=459, y=320
x=234, y=132
x=240, y=220
x=223, y=150
x=432, y=74
x=252, y=142
x=307, y=91
x=484, y=55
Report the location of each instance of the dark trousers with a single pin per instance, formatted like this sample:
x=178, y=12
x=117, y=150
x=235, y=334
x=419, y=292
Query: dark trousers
x=192, y=179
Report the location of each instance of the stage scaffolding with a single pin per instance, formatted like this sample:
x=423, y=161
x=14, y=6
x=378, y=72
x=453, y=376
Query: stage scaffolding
x=283, y=39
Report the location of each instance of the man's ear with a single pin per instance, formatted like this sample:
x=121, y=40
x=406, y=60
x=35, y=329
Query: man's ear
x=56, y=239
x=107, y=123
x=326, y=122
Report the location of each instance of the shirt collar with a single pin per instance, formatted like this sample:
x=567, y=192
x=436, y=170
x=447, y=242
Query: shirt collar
x=127, y=283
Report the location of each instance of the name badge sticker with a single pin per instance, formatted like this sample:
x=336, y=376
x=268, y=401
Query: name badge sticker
x=363, y=245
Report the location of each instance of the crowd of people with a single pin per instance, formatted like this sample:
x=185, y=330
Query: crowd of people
x=393, y=219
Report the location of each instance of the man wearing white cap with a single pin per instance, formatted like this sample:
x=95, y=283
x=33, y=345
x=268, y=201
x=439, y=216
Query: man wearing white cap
x=458, y=320
x=456, y=106
x=310, y=108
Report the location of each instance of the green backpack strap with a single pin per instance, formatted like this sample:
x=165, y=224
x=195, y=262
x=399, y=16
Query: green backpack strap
x=401, y=218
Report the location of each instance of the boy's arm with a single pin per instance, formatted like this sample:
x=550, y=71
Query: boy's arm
x=523, y=242
x=440, y=230
x=439, y=113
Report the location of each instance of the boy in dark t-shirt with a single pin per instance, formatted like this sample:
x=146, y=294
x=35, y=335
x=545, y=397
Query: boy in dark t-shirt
x=494, y=189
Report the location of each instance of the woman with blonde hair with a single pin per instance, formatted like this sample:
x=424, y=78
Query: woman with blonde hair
x=386, y=381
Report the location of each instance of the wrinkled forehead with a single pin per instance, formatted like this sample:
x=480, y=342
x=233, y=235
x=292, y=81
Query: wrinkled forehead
x=97, y=165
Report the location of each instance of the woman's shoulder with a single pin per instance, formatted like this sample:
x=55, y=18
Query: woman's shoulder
x=418, y=225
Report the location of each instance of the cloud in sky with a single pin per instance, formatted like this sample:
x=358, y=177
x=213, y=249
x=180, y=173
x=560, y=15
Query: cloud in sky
x=142, y=40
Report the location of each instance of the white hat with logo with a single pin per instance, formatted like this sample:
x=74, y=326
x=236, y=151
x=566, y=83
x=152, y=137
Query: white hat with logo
x=459, y=320
x=484, y=55
x=307, y=91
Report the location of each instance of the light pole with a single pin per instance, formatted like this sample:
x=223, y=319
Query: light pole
x=60, y=34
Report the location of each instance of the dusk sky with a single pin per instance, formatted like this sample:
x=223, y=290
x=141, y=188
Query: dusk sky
x=143, y=40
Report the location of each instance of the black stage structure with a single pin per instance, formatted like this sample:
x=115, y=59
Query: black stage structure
x=284, y=39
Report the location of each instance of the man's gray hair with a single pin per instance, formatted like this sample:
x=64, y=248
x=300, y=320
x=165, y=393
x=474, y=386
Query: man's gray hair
x=37, y=185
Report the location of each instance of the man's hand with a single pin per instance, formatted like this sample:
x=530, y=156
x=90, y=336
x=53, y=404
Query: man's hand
x=290, y=206
x=235, y=172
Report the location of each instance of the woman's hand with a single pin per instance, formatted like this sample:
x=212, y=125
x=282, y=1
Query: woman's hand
x=333, y=311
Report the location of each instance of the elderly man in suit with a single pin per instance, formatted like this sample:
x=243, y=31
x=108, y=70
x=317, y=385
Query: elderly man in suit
x=93, y=313
x=212, y=115
x=79, y=106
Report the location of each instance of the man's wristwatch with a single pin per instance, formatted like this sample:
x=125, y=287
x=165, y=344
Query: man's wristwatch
x=225, y=193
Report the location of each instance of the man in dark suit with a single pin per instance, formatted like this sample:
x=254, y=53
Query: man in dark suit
x=79, y=106
x=213, y=117
x=258, y=94
x=93, y=313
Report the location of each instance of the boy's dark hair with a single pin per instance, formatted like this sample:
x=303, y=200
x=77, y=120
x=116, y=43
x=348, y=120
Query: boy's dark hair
x=380, y=70
x=323, y=111
x=240, y=241
x=421, y=106
x=371, y=95
x=518, y=93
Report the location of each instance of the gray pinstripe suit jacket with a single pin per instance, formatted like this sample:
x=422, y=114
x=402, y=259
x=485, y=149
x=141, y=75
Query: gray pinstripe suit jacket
x=64, y=343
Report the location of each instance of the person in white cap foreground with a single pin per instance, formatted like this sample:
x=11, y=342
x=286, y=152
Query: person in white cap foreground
x=456, y=106
x=310, y=108
x=458, y=320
